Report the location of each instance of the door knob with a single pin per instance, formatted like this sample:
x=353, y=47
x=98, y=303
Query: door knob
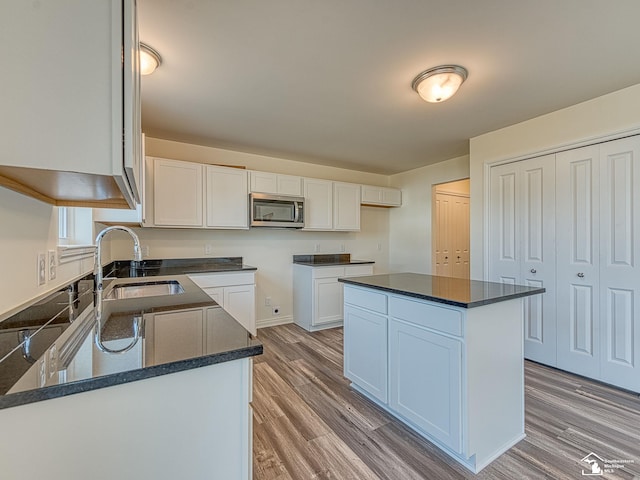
x=581, y=275
x=533, y=270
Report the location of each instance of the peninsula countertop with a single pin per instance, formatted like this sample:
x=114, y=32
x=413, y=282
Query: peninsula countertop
x=35, y=370
x=457, y=292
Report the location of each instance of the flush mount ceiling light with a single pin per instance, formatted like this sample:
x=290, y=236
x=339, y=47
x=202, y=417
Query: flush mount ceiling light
x=439, y=83
x=149, y=59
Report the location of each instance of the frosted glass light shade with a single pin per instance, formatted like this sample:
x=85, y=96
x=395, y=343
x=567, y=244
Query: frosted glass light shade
x=149, y=59
x=440, y=83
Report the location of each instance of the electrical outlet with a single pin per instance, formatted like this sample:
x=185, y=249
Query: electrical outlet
x=42, y=372
x=379, y=247
x=145, y=250
x=52, y=263
x=276, y=310
x=208, y=249
x=42, y=269
x=53, y=361
x=342, y=247
x=316, y=247
x=267, y=301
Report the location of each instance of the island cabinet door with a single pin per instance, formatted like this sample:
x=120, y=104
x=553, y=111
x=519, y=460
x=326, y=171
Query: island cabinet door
x=365, y=351
x=425, y=372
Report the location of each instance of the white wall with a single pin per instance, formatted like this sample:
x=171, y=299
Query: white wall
x=585, y=122
x=29, y=226
x=410, y=225
x=270, y=250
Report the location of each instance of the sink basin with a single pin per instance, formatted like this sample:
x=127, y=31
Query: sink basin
x=144, y=289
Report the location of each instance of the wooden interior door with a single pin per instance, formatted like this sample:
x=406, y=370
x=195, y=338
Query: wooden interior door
x=451, y=235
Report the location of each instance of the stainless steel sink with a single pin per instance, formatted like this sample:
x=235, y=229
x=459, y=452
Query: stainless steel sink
x=144, y=289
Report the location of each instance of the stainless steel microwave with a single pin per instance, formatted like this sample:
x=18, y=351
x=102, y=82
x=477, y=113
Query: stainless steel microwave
x=278, y=211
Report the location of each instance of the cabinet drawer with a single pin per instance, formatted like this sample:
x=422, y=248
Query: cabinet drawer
x=367, y=299
x=441, y=318
x=358, y=270
x=328, y=272
x=223, y=279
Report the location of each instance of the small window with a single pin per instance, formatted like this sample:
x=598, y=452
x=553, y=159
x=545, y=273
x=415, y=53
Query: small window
x=75, y=233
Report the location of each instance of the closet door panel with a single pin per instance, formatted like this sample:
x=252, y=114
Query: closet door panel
x=504, y=227
x=538, y=256
x=619, y=271
x=577, y=227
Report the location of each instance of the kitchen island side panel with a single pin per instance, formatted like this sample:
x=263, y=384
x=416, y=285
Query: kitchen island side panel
x=494, y=379
x=193, y=424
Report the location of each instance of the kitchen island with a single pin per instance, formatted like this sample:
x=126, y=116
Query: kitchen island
x=443, y=355
x=159, y=388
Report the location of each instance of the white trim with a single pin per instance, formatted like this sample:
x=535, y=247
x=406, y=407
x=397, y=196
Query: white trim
x=71, y=253
x=274, y=321
x=568, y=146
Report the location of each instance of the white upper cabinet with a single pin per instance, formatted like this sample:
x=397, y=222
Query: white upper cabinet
x=318, y=204
x=227, y=199
x=346, y=206
x=177, y=193
x=267, y=182
x=71, y=79
x=331, y=205
x=381, y=196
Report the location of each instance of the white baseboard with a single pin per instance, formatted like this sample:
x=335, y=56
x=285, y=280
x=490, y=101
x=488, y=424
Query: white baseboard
x=273, y=321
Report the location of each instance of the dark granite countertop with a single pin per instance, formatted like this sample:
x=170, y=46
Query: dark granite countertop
x=451, y=291
x=328, y=259
x=176, y=266
x=163, y=344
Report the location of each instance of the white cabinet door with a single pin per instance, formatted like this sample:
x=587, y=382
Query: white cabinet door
x=216, y=293
x=267, y=182
x=365, y=350
x=577, y=212
x=391, y=196
x=86, y=118
x=227, y=197
x=239, y=301
x=289, y=185
x=318, y=205
x=383, y=196
x=619, y=270
x=328, y=299
x=177, y=193
x=425, y=370
x=173, y=336
x=346, y=206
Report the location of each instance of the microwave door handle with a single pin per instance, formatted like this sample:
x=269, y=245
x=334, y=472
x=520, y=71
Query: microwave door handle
x=296, y=212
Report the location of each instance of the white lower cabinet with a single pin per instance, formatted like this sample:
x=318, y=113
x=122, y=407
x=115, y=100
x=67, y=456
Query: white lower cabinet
x=454, y=375
x=317, y=294
x=429, y=397
x=233, y=291
x=365, y=350
x=173, y=336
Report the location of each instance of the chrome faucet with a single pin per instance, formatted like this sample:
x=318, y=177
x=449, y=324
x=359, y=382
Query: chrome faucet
x=97, y=267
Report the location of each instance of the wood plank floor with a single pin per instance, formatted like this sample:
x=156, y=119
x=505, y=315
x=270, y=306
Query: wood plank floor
x=308, y=423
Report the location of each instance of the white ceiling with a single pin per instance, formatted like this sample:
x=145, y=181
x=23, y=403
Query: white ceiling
x=329, y=81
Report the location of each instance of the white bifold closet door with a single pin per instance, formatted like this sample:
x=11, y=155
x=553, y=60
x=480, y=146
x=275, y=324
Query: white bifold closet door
x=619, y=256
x=522, y=245
x=598, y=218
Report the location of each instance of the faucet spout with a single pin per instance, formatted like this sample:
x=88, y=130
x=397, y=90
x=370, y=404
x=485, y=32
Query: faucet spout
x=97, y=267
